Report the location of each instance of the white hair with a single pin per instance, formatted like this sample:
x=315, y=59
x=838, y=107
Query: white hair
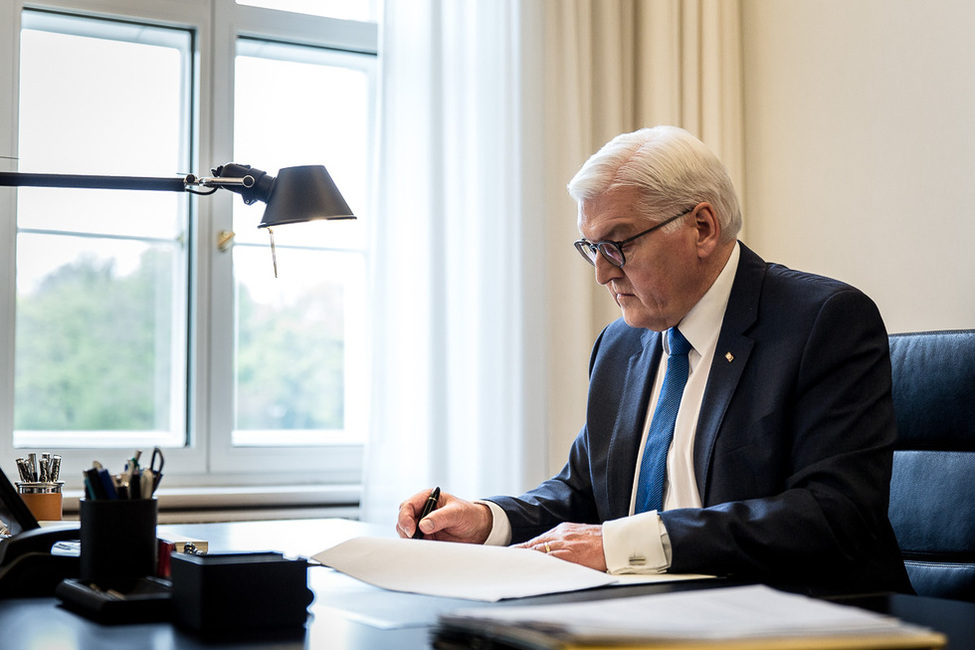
x=673, y=170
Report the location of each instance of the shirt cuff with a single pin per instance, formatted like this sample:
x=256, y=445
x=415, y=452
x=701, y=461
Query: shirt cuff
x=500, y=534
x=636, y=544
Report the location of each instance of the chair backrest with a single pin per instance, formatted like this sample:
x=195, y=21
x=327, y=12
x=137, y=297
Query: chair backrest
x=932, y=490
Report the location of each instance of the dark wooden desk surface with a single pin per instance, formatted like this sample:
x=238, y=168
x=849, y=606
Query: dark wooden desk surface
x=349, y=614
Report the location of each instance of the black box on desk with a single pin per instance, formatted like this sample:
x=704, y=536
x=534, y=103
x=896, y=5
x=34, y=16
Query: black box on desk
x=240, y=594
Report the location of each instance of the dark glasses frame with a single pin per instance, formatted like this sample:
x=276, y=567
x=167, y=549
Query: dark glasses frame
x=612, y=251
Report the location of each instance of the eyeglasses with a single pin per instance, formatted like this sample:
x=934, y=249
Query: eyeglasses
x=613, y=250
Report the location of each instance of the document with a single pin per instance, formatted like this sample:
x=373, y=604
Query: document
x=731, y=617
x=454, y=570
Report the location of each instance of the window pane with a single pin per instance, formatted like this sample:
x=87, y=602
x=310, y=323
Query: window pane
x=300, y=355
x=293, y=346
x=101, y=274
x=303, y=106
x=94, y=336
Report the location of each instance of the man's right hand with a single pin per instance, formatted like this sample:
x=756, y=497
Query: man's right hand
x=453, y=520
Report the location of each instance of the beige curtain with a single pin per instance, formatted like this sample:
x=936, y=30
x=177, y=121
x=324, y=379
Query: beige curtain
x=613, y=66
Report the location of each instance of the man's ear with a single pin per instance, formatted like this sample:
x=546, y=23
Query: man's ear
x=708, y=229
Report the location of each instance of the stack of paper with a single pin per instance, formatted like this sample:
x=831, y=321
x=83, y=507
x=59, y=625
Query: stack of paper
x=734, y=617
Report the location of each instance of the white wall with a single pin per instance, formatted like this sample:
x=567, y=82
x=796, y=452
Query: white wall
x=860, y=148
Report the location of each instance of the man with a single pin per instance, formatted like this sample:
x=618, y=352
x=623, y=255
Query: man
x=778, y=461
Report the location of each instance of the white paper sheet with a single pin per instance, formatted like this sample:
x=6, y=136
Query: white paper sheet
x=725, y=613
x=470, y=571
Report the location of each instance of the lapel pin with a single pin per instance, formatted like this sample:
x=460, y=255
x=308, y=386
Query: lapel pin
x=730, y=357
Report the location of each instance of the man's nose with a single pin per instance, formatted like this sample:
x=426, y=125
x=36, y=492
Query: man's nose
x=605, y=271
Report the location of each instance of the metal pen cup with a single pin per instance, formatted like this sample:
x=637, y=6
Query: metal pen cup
x=43, y=498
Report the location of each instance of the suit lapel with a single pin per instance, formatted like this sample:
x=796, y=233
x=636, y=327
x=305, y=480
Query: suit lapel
x=730, y=356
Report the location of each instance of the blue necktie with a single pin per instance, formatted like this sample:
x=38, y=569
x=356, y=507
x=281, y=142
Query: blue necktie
x=653, y=467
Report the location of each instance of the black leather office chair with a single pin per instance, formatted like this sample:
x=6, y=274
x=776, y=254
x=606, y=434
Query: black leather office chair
x=932, y=491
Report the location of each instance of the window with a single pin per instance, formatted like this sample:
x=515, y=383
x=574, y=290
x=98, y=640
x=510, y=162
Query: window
x=132, y=327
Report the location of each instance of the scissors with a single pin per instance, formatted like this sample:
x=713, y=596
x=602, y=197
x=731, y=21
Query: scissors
x=156, y=471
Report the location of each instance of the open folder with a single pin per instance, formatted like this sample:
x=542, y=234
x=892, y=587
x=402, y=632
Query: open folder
x=731, y=618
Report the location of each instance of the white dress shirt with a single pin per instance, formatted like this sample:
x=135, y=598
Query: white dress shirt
x=639, y=543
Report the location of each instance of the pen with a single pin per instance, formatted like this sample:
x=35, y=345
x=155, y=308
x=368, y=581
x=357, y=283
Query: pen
x=134, y=483
x=428, y=507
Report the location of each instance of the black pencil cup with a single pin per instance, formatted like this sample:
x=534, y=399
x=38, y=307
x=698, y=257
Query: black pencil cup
x=118, y=542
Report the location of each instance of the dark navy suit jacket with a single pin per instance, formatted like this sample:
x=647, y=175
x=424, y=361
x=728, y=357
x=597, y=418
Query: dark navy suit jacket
x=793, y=449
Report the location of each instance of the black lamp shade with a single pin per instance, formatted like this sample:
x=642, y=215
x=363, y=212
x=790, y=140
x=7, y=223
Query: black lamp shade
x=304, y=193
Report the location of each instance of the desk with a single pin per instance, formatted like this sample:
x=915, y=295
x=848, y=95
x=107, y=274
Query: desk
x=346, y=612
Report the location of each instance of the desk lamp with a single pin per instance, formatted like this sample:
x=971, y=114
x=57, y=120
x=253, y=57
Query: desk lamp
x=297, y=194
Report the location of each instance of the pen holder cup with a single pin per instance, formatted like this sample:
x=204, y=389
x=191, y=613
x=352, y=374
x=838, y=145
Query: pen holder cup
x=118, y=541
x=42, y=499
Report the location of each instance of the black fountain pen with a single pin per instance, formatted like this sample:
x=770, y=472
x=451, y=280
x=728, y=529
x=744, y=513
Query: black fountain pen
x=428, y=507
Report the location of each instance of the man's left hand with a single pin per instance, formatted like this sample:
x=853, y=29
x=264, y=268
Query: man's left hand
x=579, y=543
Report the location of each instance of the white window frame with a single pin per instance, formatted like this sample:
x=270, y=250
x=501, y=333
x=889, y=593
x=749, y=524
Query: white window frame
x=209, y=459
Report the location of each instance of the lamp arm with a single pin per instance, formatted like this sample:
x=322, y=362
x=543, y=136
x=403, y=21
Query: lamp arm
x=89, y=181
x=232, y=184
